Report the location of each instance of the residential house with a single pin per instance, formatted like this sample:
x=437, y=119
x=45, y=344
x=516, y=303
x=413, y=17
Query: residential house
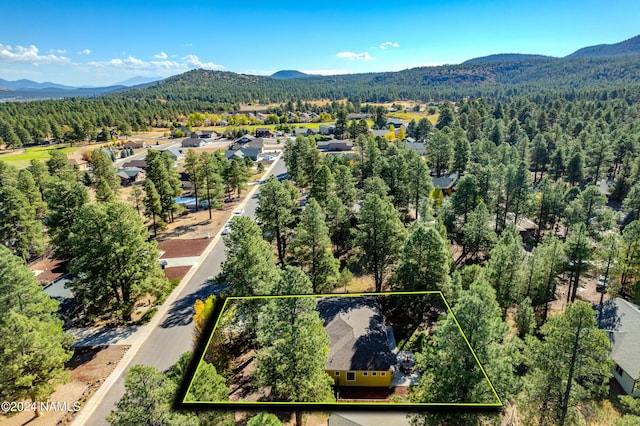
x=395, y=122
x=257, y=143
x=175, y=153
x=325, y=129
x=305, y=118
x=204, y=134
x=222, y=123
x=134, y=144
x=380, y=132
x=621, y=320
x=142, y=164
x=303, y=131
x=243, y=153
x=446, y=182
x=335, y=145
x=244, y=139
x=263, y=132
x=355, y=116
x=131, y=175
x=192, y=143
x=418, y=147
x=359, y=349
x=261, y=116
x=79, y=163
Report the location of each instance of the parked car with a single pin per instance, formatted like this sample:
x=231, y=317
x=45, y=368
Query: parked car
x=226, y=229
x=238, y=213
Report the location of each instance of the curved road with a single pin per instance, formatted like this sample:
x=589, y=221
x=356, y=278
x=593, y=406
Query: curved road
x=174, y=333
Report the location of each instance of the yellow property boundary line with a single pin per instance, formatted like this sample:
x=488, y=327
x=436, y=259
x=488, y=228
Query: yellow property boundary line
x=230, y=404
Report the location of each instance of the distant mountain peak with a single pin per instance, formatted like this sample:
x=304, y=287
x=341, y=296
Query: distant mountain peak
x=627, y=47
x=287, y=74
x=507, y=57
x=134, y=81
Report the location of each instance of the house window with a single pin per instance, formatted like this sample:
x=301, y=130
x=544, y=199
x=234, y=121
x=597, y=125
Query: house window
x=351, y=376
x=337, y=373
x=619, y=370
x=374, y=373
x=365, y=373
x=383, y=373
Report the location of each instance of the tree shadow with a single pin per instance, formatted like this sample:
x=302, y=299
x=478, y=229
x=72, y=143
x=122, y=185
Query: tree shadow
x=104, y=336
x=181, y=311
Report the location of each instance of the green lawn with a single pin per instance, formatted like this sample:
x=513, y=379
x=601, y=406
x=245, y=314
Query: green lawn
x=20, y=158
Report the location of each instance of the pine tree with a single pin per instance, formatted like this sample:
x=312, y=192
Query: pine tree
x=33, y=347
x=113, y=261
x=380, y=236
x=504, y=268
x=294, y=345
x=277, y=208
x=152, y=206
x=65, y=198
x=425, y=259
x=567, y=367
x=312, y=248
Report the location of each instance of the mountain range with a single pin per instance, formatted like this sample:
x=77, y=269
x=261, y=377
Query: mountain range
x=619, y=62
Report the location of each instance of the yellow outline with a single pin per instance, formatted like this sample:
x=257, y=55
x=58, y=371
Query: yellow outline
x=226, y=404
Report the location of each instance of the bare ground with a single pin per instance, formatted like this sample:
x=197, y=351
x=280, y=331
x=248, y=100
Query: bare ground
x=88, y=369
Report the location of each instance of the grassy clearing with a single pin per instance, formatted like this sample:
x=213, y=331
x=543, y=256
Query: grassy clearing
x=21, y=157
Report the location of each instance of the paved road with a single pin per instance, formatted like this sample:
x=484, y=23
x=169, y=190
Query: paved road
x=174, y=335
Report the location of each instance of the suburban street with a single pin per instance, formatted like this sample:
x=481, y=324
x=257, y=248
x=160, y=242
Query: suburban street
x=174, y=333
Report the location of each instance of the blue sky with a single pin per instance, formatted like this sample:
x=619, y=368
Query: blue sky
x=78, y=42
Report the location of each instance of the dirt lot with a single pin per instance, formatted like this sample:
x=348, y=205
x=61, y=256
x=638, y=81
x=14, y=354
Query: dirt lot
x=89, y=367
x=182, y=247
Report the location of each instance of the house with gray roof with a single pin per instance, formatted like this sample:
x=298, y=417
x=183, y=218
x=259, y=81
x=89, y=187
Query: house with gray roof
x=130, y=175
x=621, y=320
x=175, y=153
x=395, y=122
x=335, y=145
x=193, y=143
x=243, y=153
x=446, y=182
x=359, y=348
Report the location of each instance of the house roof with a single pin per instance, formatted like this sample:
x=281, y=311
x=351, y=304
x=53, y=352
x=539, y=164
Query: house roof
x=380, y=132
x=335, y=145
x=242, y=153
x=129, y=172
x=257, y=143
x=175, y=151
x=395, y=121
x=446, y=181
x=621, y=320
x=357, y=333
x=192, y=142
x=136, y=163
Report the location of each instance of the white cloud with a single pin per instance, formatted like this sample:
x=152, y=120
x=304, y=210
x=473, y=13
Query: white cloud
x=188, y=45
x=84, y=52
x=28, y=55
x=133, y=63
x=194, y=61
x=161, y=55
x=364, y=56
x=58, y=51
x=389, y=44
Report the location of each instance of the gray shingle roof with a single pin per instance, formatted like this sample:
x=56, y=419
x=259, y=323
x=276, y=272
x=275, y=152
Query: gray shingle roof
x=446, y=181
x=357, y=333
x=621, y=320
